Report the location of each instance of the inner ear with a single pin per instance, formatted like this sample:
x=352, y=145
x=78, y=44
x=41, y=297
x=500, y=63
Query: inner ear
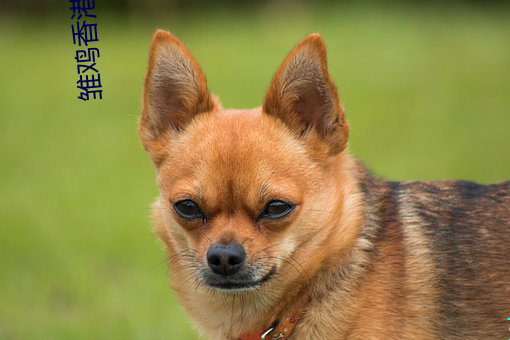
x=305, y=98
x=310, y=99
x=175, y=88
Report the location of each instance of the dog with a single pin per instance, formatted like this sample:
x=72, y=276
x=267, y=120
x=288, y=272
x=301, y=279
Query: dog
x=273, y=230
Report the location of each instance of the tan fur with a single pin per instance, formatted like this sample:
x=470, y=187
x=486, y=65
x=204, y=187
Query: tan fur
x=355, y=255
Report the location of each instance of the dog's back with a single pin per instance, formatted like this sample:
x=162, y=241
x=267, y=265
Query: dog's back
x=447, y=244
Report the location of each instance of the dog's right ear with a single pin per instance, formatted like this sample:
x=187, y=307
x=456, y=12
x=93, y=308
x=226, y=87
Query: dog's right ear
x=175, y=89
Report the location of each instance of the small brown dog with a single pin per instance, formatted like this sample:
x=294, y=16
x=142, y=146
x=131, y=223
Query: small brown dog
x=273, y=229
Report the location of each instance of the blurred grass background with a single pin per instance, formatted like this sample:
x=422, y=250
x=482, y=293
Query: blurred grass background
x=427, y=91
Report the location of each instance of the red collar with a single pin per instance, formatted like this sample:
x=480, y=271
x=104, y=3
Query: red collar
x=278, y=330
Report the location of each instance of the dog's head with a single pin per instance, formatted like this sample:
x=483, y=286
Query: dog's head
x=246, y=196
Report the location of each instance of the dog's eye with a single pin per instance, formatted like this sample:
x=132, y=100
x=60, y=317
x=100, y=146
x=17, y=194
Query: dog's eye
x=275, y=210
x=188, y=210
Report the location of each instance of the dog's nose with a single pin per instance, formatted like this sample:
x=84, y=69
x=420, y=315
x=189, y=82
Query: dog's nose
x=226, y=259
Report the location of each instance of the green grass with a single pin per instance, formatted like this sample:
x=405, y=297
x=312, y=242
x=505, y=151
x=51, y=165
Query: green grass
x=427, y=96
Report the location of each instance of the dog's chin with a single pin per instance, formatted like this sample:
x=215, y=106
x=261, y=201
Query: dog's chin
x=241, y=283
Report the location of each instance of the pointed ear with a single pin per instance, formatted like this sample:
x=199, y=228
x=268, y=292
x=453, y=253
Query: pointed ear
x=305, y=98
x=175, y=88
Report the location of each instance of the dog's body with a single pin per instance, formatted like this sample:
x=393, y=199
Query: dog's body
x=267, y=219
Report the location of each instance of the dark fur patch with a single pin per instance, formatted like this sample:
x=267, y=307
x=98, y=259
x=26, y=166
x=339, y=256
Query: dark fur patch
x=468, y=228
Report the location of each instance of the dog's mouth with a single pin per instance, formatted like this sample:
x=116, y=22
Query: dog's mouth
x=237, y=284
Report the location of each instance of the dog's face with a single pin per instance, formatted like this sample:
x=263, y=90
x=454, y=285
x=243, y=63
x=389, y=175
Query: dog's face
x=246, y=196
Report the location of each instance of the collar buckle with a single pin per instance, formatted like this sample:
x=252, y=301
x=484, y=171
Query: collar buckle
x=266, y=333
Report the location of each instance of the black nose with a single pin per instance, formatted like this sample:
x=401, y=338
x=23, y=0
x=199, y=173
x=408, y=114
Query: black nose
x=226, y=259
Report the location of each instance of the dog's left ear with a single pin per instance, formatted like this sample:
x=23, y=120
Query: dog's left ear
x=305, y=98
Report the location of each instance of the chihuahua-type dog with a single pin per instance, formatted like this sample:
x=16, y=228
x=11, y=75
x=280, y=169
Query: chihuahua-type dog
x=273, y=230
